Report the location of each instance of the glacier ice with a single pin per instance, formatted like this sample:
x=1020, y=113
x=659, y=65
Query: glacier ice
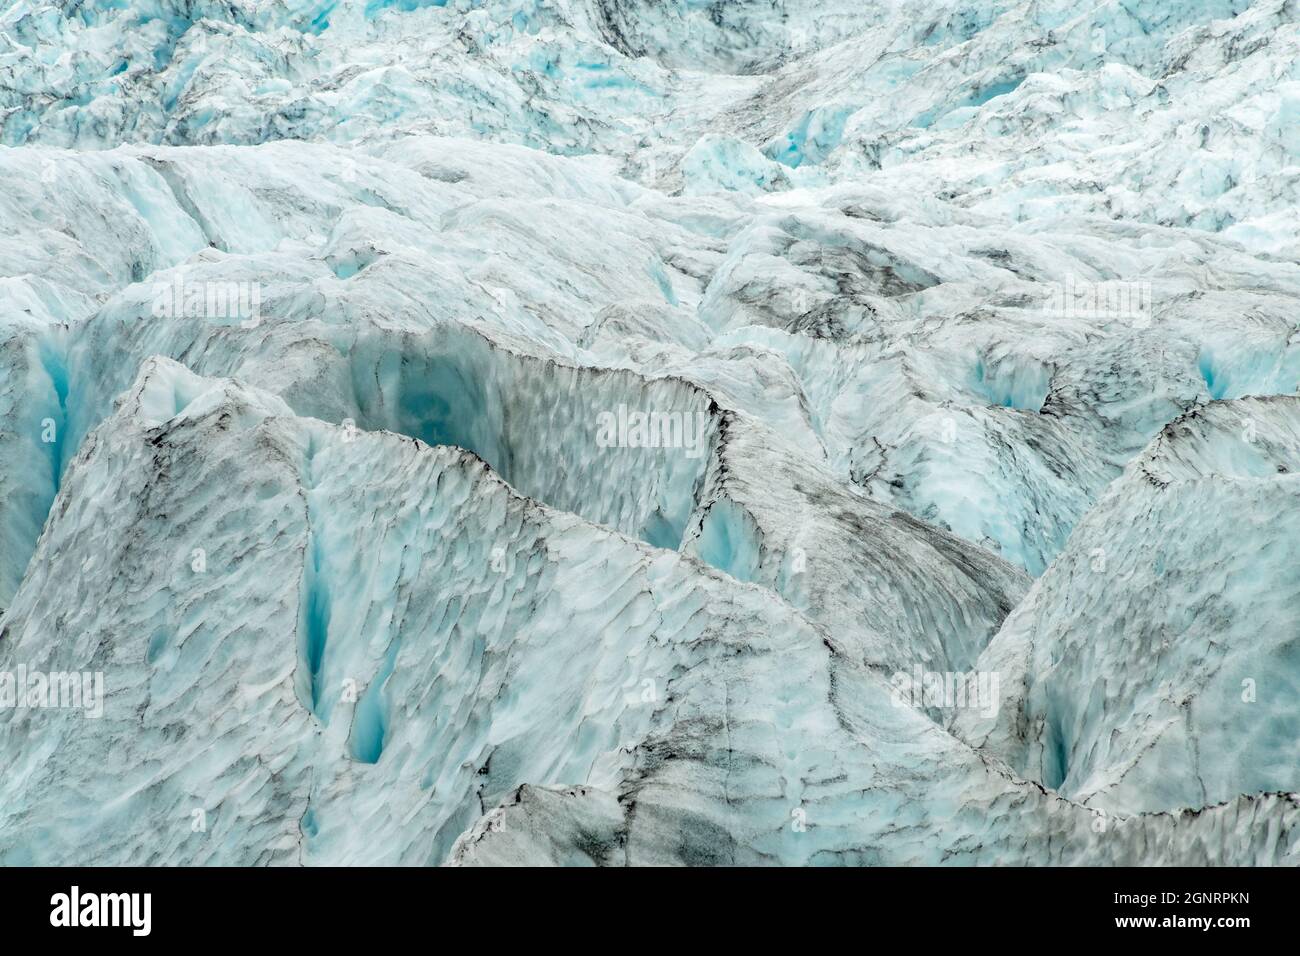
x=1185, y=572
x=956, y=338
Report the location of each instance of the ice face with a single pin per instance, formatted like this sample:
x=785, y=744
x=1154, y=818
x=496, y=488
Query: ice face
x=1165, y=575
x=582, y=432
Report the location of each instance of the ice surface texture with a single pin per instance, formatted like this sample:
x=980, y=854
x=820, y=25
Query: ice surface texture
x=977, y=327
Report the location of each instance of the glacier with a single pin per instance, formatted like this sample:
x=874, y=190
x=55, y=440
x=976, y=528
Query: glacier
x=944, y=340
